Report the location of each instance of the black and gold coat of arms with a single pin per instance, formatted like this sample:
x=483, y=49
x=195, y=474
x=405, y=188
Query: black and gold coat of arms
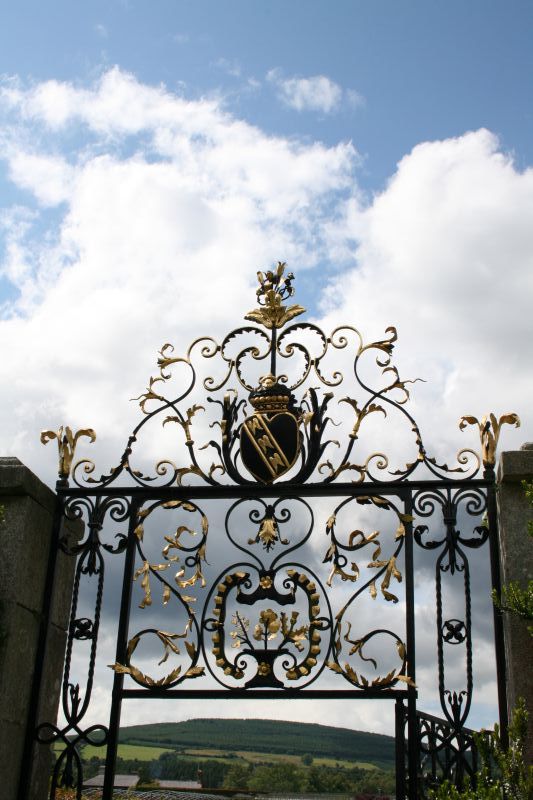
x=270, y=437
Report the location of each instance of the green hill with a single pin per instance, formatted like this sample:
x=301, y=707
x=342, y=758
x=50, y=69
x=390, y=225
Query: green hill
x=265, y=736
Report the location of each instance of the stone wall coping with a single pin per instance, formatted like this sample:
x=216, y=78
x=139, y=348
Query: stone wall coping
x=516, y=465
x=17, y=479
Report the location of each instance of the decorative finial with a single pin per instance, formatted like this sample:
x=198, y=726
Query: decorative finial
x=273, y=289
x=66, y=444
x=489, y=433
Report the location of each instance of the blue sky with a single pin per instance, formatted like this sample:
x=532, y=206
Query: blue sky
x=407, y=72
x=426, y=70
x=153, y=156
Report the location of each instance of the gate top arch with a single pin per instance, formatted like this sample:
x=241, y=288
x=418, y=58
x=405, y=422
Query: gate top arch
x=277, y=428
x=256, y=420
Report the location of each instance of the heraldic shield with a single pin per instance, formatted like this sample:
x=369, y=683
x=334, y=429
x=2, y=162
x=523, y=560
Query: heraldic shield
x=270, y=437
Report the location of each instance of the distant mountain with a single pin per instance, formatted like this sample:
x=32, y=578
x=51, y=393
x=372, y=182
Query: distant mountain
x=265, y=736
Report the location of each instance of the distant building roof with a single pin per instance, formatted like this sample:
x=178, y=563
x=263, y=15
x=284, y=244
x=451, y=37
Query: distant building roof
x=164, y=784
x=129, y=781
x=121, y=781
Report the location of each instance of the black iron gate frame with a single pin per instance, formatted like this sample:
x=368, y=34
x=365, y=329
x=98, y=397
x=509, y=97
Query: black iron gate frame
x=273, y=400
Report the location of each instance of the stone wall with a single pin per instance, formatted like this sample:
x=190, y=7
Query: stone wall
x=517, y=565
x=25, y=536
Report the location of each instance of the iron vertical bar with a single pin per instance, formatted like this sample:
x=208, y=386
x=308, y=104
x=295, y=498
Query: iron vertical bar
x=273, y=346
x=118, y=680
x=412, y=738
x=26, y=763
x=399, y=733
x=499, y=641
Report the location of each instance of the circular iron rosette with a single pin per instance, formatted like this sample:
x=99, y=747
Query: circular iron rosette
x=366, y=542
x=266, y=628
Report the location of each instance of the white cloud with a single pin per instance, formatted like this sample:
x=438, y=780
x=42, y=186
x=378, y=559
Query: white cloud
x=161, y=218
x=48, y=177
x=200, y=199
x=444, y=253
x=316, y=93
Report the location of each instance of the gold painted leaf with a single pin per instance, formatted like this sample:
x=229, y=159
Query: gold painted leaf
x=331, y=522
x=334, y=667
x=195, y=672
x=351, y=673
x=510, y=419
x=120, y=669
x=406, y=517
x=400, y=531
x=132, y=644
x=406, y=679
x=191, y=649
x=169, y=678
x=464, y=421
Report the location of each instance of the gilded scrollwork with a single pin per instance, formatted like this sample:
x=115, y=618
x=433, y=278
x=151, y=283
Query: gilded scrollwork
x=302, y=451
x=169, y=641
x=356, y=677
x=66, y=444
x=268, y=532
x=357, y=539
x=277, y=636
x=256, y=408
x=188, y=559
x=274, y=287
x=349, y=571
x=489, y=433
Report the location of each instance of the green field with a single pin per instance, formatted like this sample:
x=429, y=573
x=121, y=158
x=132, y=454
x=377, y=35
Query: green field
x=151, y=753
x=263, y=740
x=252, y=757
x=252, y=742
x=126, y=751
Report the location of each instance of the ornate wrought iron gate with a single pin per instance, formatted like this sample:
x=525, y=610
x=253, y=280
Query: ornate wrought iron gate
x=275, y=562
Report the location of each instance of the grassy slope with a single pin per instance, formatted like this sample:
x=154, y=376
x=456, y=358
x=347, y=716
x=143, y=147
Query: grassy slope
x=127, y=751
x=265, y=736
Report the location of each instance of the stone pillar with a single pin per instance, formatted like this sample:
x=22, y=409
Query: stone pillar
x=514, y=512
x=25, y=536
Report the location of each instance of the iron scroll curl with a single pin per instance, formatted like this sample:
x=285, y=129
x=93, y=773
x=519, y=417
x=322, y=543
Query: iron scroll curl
x=276, y=419
x=261, y=587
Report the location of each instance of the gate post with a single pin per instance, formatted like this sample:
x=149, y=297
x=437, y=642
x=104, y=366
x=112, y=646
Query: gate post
x=25, y=538
x=517, y=565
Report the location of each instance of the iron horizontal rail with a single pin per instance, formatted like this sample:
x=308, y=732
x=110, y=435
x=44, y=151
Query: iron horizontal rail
x=158, y=693
x=444, y=722
x=286, y=490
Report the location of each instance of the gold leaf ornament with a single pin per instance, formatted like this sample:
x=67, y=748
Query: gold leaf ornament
x=268, y=626
x=66, y=444
x=489, y=433
x=168, y=641
x=273, y=289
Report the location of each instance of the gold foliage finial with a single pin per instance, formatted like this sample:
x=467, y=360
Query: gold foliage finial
x=66, y=444
x=489, y=433
x=273, y=289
